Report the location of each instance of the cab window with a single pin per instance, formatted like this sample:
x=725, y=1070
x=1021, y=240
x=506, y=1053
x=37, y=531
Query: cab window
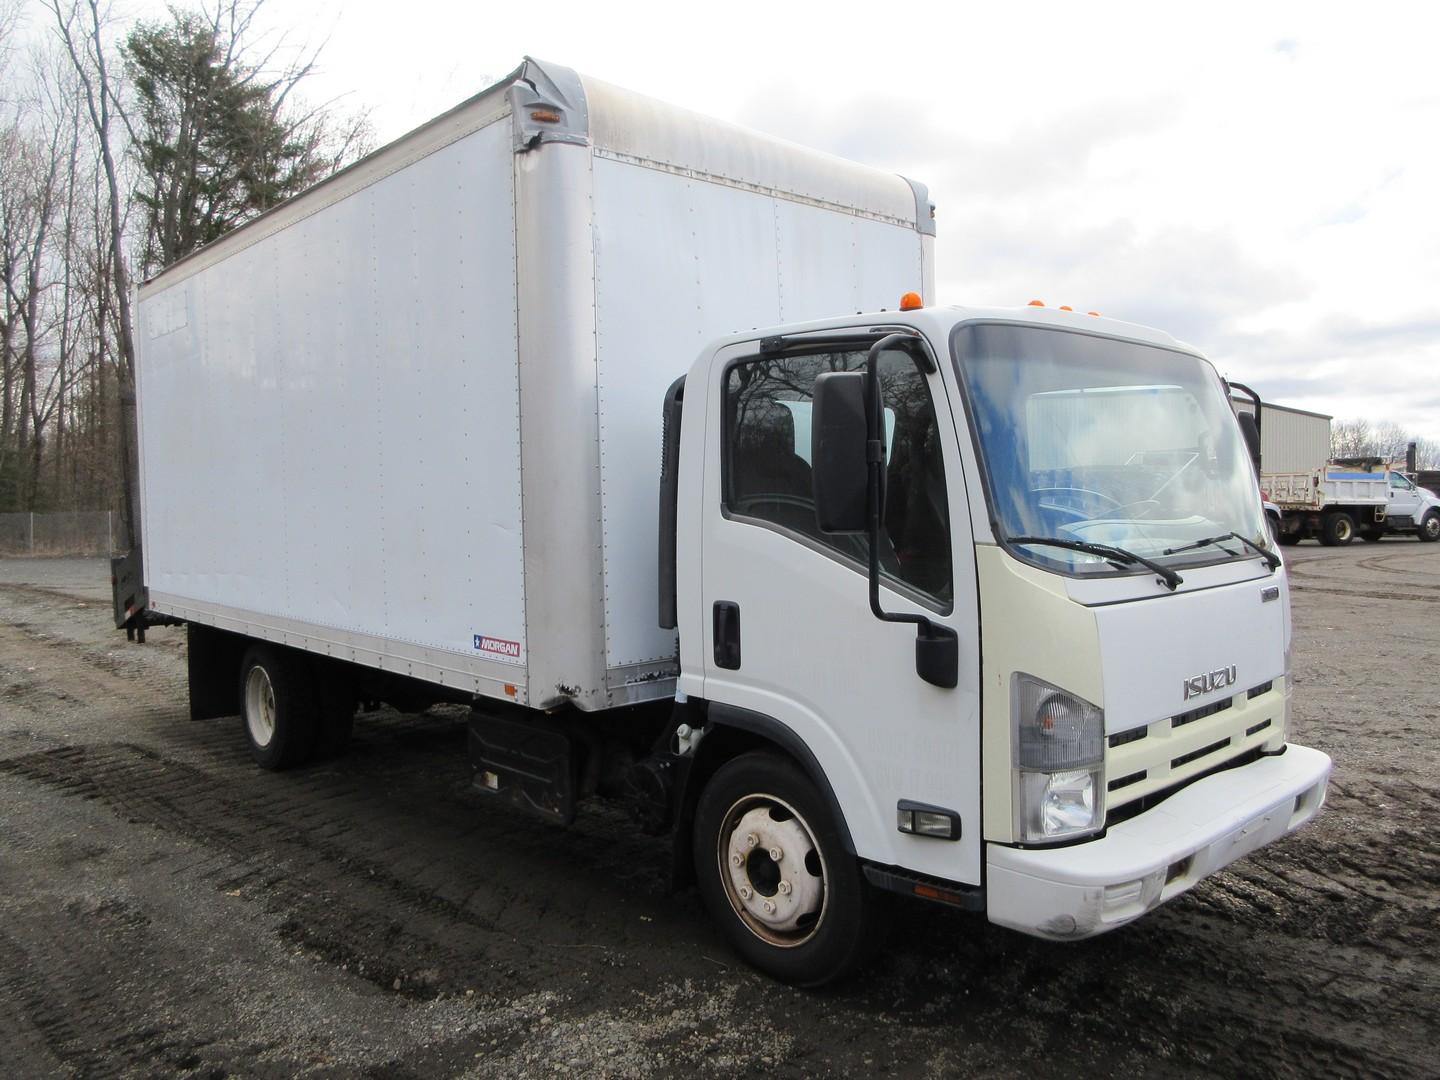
x=767, y=470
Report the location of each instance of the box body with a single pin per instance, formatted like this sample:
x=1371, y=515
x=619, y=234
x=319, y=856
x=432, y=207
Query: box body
x=412, y=418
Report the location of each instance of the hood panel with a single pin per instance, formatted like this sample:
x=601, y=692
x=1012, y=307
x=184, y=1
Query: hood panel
x=1151, y=649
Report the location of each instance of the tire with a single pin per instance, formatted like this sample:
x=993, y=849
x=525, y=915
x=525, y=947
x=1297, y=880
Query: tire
x=1337, y=529
x=1429, y=530
x=825, y=922
x=278, y=706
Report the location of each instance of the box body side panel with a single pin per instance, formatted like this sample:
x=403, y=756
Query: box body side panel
x=680, y=261
x=331, y=418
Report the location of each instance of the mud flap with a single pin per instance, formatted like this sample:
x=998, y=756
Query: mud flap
x=530, y=766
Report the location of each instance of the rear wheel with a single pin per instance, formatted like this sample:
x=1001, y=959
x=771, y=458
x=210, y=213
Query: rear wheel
x=277, y=703
x=1430, y=527
x=1338, y=528
x=773, y=872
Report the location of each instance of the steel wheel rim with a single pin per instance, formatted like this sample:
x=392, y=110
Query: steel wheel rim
x=260, y=706
x=1343, y=529
x=794, y=893
x=1432, y=526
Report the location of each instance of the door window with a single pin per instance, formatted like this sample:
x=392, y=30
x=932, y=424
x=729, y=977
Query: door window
x=767, y=463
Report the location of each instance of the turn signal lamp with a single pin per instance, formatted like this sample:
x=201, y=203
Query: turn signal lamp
x=1036, y=303
x=911, y=302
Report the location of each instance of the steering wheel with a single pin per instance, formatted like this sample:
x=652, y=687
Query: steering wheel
x=1080, y=514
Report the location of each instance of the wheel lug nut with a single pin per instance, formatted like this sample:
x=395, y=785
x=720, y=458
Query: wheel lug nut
x=737, y=859
x=769, y=908
x=745, y=892
x=751, y=840
x=776, y=854
x=785, y=888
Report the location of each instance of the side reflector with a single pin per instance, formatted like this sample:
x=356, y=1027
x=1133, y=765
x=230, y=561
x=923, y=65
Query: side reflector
x=911, y=302
x=945, y=896
x=545, y=116
x=1036, y=303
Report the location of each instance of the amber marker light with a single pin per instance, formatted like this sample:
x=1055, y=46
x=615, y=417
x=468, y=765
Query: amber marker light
x=911, y=302
x=1066, y=307
x=1036, y=303
x=1096, y=313
x=545, y=116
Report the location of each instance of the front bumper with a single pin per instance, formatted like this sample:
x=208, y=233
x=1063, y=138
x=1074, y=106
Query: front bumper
x=1086, y=889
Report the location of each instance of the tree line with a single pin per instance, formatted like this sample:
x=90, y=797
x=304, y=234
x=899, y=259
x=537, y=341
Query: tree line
x=124, y=147
x=1382, y=439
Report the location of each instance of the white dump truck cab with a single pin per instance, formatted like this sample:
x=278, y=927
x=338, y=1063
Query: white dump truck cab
x=1410, y=508
x=999, y=584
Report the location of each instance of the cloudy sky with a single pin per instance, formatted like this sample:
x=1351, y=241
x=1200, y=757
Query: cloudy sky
x=1261, y=180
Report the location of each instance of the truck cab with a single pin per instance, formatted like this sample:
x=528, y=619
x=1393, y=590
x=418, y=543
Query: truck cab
x=1408, y=508
x=1000, y=583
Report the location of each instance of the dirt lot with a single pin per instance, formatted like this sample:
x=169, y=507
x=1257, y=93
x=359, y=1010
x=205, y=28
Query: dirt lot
x=165, y=908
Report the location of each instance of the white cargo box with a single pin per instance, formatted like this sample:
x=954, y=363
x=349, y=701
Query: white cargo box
x=412, y=417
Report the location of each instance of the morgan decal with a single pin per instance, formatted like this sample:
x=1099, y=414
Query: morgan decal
x=498, y=648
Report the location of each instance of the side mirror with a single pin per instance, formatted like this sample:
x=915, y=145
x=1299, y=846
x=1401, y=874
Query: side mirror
x=839, y=474
x=1251, y=433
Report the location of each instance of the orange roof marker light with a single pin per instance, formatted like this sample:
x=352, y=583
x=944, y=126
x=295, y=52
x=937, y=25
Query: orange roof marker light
x=1092, y=313
x=1066, y=307
x=911, y=302
x=1036, y=303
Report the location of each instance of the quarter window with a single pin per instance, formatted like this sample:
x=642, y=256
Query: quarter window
x=767, y=462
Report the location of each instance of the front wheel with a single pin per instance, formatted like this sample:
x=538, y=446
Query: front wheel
x=1430, y=527
x=773, y=872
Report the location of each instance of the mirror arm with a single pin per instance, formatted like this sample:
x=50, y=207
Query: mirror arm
x=937, y=652
x=875, y=462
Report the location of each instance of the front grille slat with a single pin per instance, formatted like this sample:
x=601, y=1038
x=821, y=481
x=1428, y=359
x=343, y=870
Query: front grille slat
x=1126, y=781
x=1200, y=713
x=1133, y=735
x=1196, y=755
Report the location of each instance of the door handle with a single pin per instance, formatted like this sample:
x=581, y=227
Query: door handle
x=727, y=634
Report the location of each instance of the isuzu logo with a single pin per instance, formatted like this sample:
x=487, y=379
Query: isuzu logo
x=1209, y=681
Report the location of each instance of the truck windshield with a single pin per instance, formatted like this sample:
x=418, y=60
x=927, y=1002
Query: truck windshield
x=1086, y=438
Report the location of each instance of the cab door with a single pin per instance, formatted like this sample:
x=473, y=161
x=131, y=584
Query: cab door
x=789, y=633
x=1404, y=498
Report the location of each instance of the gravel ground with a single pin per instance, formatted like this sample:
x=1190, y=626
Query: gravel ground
x=167, y=909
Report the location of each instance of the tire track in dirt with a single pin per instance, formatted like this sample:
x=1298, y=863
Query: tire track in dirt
x=360, y=909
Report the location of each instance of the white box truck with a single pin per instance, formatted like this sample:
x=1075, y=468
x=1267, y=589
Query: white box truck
x=587, y=412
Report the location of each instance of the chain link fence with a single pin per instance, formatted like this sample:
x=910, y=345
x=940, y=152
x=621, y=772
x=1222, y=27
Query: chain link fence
x=77, y=532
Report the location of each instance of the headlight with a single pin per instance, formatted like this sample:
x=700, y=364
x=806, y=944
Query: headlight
x=1059, y=759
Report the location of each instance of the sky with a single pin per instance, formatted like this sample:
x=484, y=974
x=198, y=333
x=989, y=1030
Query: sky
x=1260, y=180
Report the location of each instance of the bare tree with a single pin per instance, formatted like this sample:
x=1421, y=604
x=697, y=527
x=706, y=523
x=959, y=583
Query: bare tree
x=82, y=27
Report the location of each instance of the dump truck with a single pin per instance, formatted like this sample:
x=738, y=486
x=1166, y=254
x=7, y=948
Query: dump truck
x=643, y=437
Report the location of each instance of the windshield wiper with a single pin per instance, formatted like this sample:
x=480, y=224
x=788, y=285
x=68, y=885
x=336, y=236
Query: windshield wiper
x=1271, y=559
x=1168, y=577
